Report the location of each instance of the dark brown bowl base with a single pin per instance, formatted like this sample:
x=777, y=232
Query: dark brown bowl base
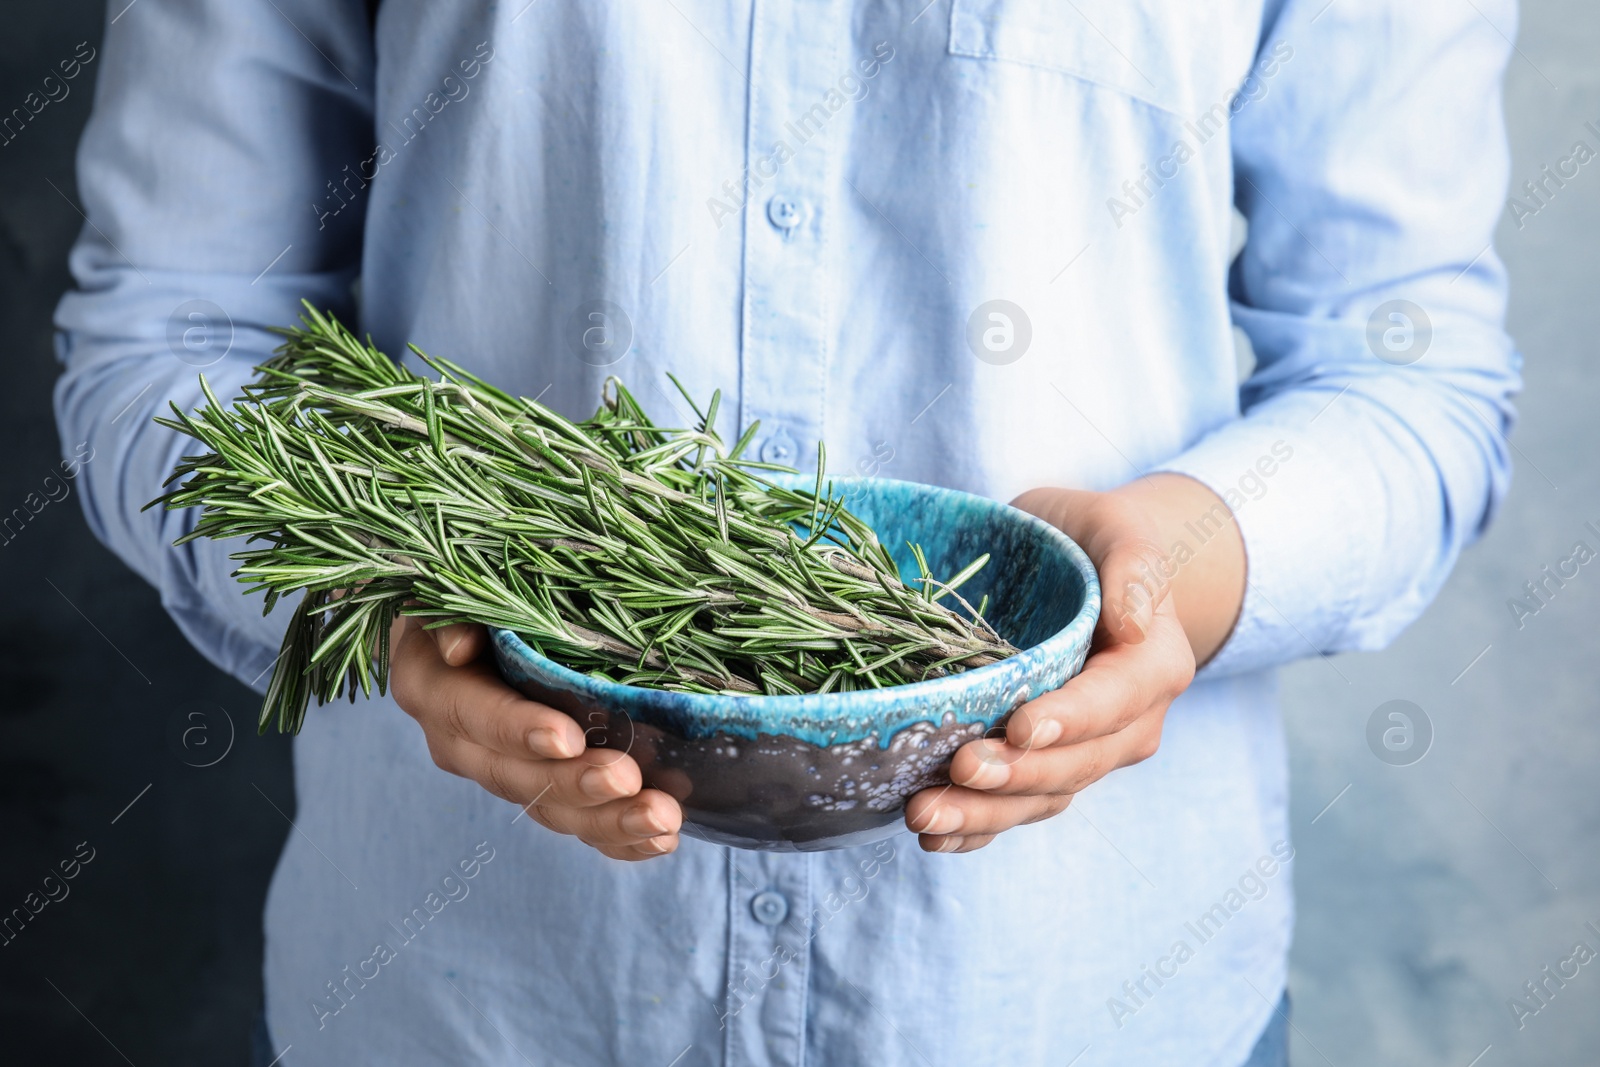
x=778, y=793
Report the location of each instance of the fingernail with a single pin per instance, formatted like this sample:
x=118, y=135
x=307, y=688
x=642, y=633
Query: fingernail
x=1136, y=608
x=1044, y=734
x=600, y=783
x=948, y=844
x=545, y=741
x=642, y=821
x=989, y=774
x=659, y=845
x=946, y=819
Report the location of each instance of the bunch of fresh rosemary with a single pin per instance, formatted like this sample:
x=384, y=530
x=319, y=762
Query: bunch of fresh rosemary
x=651, y=556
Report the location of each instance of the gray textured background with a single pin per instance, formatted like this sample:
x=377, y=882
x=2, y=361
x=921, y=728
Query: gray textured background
x=158, y=945
x=1428, y=893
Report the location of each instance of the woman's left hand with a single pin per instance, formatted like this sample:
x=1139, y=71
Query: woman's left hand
x=1157, y=619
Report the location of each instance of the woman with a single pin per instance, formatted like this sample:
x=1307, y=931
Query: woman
x=984, y=243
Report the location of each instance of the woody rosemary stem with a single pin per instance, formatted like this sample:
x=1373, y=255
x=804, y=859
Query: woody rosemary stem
x=647, y=555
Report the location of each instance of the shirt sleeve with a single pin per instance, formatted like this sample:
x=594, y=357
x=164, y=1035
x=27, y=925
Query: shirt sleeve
x=1371, y=171
x=215, y=177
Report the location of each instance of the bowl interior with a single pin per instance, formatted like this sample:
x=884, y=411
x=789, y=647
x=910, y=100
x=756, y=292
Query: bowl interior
x=828, y=770
x=1043, y=599
x=1034, y=587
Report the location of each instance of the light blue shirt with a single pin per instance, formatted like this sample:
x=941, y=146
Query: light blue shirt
x=811, y=205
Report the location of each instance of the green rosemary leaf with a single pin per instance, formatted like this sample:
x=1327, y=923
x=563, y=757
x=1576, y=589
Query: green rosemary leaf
x=652, y=556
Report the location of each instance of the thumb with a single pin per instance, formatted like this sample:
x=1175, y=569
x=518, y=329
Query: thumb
x=1135, y=577
x=460, y=643
x=1134, y=585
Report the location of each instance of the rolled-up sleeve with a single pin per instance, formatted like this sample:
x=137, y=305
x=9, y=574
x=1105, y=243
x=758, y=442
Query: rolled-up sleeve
x=215, y=177
x=1371, y=172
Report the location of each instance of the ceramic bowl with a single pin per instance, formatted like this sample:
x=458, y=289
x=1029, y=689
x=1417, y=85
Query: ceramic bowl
x=807, y=773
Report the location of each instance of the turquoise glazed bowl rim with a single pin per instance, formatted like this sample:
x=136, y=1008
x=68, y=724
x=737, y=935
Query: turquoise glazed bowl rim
x=840, y=718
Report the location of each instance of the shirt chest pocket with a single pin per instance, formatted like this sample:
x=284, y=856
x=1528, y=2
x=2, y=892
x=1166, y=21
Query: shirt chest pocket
x=1177, y=55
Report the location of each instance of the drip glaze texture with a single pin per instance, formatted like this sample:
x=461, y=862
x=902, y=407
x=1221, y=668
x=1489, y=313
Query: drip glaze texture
x=808, y=773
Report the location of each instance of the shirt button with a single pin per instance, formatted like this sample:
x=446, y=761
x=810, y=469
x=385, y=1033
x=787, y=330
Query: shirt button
x=779, y=448
x=784, y=213
x=769, y=907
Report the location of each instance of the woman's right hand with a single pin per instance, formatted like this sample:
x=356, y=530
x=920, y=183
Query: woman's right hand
x=480, y=728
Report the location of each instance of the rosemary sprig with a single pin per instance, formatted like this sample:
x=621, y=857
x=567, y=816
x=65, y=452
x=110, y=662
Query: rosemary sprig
x=651, y=556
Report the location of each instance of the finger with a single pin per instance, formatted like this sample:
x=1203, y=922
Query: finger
x=592, y=779
x=961, y=812
x=1116, y=686
x=1135, y=579
x=472, y=702
x=648, y=849
x=953, y=845
x=1121, y=538
x=1061, y=769
x=651, y=815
